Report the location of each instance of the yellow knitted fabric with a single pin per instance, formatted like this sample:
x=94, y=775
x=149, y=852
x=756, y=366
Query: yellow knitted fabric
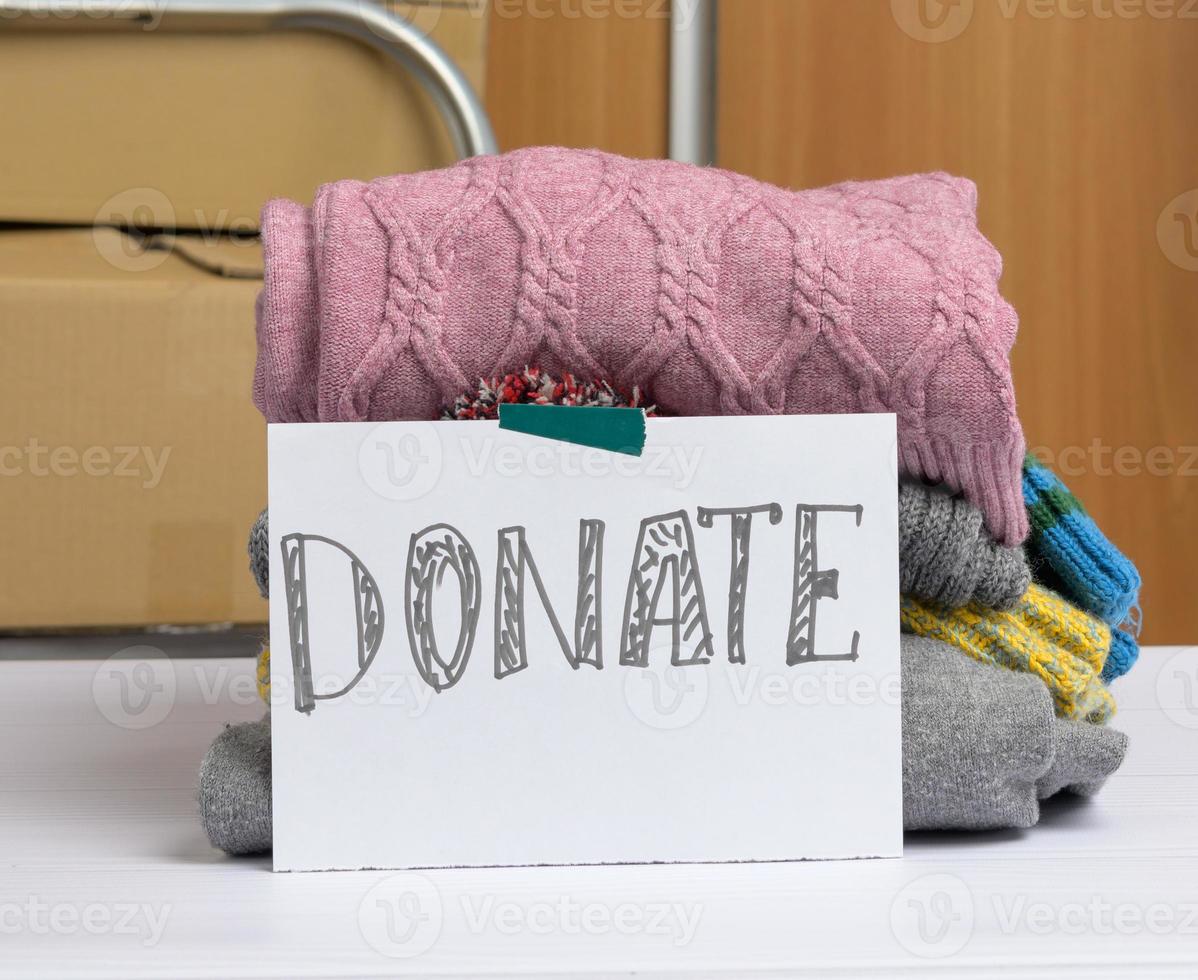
x=1043, y=635
x=264, y=673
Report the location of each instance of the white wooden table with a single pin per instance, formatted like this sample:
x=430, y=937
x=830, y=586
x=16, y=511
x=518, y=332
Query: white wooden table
x=104, y=870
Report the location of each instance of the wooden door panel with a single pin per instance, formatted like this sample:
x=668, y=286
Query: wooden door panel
x=580, y=73
x=1081, y=133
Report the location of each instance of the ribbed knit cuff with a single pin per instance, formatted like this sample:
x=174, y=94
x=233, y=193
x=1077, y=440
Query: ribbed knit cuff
x=1069, y=551
x=1044, y=635
x=988, y=473
x=287, y=320
x=258, y=547
x=1125, y=651
x=948, y=557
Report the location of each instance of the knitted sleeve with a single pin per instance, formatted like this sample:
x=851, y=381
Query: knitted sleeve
x=1044, y=635
x=947, y=556
x=1069, y=551
x=711, y=292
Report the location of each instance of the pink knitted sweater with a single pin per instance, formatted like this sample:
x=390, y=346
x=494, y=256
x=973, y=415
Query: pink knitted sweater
x=714, y=293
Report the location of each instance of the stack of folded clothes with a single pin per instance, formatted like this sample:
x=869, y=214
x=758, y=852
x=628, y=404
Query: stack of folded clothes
x=704, y=292
x=1040, y=621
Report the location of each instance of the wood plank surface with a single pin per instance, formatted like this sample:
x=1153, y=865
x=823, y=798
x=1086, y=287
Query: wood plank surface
x=107, y=872
x=579, y=73
x=1077, y=121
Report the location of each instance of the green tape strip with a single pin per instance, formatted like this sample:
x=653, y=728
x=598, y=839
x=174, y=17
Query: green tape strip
x=620, y=430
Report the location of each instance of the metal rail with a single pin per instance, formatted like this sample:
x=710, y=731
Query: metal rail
x=365, y=21
x=692, y=81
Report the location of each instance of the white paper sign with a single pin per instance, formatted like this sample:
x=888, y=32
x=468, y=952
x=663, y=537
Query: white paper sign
x=490, y=648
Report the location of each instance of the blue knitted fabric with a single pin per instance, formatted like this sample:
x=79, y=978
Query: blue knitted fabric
x=1124, y=653
x=1070, y=554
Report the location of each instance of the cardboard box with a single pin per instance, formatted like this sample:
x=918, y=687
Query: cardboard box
x=151, y=127
x=132, y=460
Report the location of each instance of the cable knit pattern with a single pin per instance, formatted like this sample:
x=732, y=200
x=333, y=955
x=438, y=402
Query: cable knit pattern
x=712, y=292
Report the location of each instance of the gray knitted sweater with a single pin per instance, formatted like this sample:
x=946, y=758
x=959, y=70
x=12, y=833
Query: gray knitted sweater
x=947, y=556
